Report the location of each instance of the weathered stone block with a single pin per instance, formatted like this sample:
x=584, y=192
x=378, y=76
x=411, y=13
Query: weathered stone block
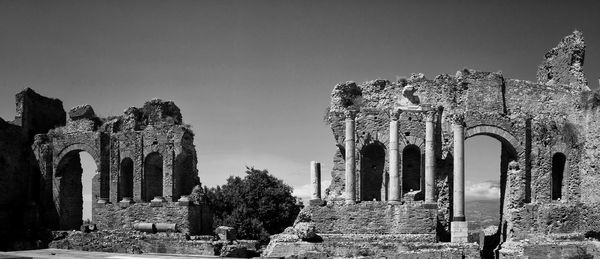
x=82, y=112
x=305, y=230
x=226, y=233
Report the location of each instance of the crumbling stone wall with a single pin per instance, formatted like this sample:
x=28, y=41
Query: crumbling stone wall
x=373, y=218
x=40, y=169
x=563, y=65
x=20, y=182
x=532, y=120
x=190, y=219
x=151, y=138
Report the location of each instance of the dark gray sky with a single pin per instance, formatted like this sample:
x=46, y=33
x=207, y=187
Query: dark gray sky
x=253, y=78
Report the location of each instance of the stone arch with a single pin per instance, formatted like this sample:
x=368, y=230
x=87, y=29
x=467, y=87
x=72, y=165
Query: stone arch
x=412, y=140
x=505, y=137
x=372, y=170
x=153, y=176
x=511, y=150
x=68, y=189
x=125, y=179
x=93, y=151
x=420, y=144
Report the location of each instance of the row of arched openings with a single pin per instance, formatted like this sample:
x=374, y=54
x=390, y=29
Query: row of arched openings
x=152, y=183
x=75, y=187
x=372, y=171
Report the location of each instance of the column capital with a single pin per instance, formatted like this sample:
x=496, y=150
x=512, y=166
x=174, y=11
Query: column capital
x=429, y=115
x=350, y=114
x=395, y=114
x=457, y=119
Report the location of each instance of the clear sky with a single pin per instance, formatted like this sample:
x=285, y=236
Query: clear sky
x=253, y=78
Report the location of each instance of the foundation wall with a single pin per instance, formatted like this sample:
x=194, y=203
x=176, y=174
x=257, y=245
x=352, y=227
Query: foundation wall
x=193, y=220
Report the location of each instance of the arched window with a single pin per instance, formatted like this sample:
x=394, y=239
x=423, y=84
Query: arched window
x=558, y=169
x=371, y=172
x=411, y=169
x=153, y=176
x=126, y=179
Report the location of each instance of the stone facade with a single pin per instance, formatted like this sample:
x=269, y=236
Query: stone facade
x=548, y=132
x=143, y=154
x=145, y=160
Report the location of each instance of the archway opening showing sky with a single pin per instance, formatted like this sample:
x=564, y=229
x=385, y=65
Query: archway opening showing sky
x=89, y=170
x=482, y=181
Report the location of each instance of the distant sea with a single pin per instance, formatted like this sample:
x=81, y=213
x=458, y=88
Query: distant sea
x=482, y=213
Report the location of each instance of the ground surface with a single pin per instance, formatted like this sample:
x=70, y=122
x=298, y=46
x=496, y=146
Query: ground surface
x=73, y=254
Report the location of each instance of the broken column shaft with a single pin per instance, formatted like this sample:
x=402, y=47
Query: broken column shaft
x=315, y=180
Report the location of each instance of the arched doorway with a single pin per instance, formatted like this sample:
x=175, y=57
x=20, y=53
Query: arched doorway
x=73, y=176
x=488, y=151
x=411, y=169
x=372, y=165
x=153, y=177
x=126, y=179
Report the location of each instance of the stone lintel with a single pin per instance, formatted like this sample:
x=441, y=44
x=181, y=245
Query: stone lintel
x=415, y=108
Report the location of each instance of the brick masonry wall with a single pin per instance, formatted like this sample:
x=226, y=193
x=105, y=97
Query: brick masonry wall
x=190, y=219
x=533, y=120
x=372, y=218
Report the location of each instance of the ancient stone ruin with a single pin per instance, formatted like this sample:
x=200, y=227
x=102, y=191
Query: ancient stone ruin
x=146, y=168
x=398, y=178
x=398, y=174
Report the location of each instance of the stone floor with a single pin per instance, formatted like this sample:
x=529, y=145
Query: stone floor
x=73, y=254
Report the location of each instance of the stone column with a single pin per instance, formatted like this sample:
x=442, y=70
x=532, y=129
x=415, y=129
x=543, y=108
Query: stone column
x=458, y=226
x=429, y=158
x=350, y=160
x=394, y=184
x=315, y=180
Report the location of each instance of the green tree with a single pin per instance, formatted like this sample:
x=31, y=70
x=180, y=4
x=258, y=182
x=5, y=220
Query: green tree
x=257, y=205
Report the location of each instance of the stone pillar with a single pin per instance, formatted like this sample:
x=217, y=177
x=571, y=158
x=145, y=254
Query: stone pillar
x=429, y=158
x=514, y=199
x=394, y=184
x=315, y=180
x=168, y=158
x=350, y=160
x=458, y=226
x=514, y=196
